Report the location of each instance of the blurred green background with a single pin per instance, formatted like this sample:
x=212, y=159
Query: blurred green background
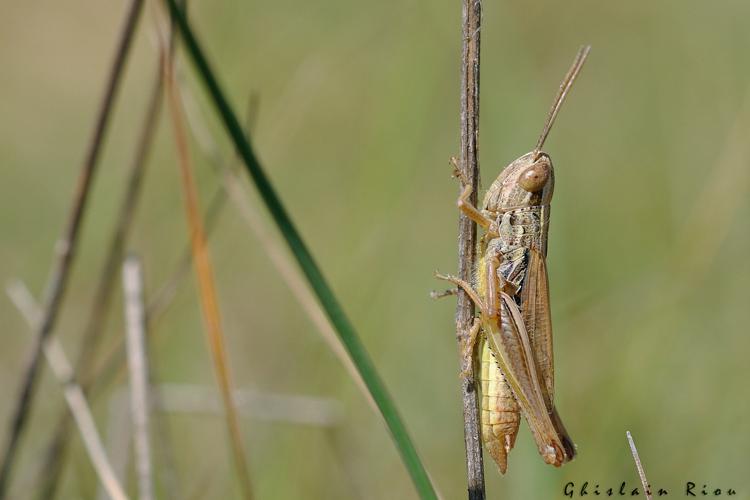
x=358, y=116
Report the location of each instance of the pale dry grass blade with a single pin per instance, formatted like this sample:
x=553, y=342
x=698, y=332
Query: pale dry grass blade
x=639, y=466
x=205, y=277
x=135, y=321
x=74, y=397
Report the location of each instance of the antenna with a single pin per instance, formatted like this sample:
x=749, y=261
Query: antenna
x=567, y=82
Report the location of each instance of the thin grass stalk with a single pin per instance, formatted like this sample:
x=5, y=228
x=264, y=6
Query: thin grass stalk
x=305, y=260
x=467, y=239
x=65, y=249
x=140, y=409
x=74, y=397
x=205, y=275
x=639, y=467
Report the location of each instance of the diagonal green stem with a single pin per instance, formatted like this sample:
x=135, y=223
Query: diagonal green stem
x=306, y=262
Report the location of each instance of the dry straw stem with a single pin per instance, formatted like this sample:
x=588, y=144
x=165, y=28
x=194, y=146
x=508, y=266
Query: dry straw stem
x=205, y=276
x=639, y=466
x=467, y=238
x=279, y=255
x=135, y=321
x=65, y=249
x=72, y=392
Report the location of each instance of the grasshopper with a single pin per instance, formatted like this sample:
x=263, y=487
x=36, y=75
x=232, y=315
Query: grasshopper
x=510, y=343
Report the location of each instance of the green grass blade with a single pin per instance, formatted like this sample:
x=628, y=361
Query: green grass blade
x=314, y=276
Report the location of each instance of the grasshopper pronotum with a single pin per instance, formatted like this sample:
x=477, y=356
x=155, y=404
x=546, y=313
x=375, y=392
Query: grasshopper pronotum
x=513, y=335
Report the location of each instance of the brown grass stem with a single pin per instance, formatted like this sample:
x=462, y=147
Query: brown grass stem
x=467, y=238
x=205, y=275
x=65, y=252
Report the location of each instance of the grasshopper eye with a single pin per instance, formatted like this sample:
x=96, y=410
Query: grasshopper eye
x=534, y=178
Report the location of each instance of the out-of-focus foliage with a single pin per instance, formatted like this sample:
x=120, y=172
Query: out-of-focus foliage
x=358, y=116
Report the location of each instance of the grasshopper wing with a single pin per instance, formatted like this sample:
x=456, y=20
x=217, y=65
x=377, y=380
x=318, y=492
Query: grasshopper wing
x=510, y=341
x=534, y=298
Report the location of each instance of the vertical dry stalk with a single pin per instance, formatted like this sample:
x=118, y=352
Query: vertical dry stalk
x=467, y=235
x=72, y=392
x=135, y=321
x=204, y=274
x=65, y=249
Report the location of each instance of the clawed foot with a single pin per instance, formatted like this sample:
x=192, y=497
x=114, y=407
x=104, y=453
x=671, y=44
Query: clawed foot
x=468, y=345
x=457, y=172
x=435, y=294
x=447, y=277
x=466, y=287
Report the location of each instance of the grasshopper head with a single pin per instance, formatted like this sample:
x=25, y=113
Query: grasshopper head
x=527, y=181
